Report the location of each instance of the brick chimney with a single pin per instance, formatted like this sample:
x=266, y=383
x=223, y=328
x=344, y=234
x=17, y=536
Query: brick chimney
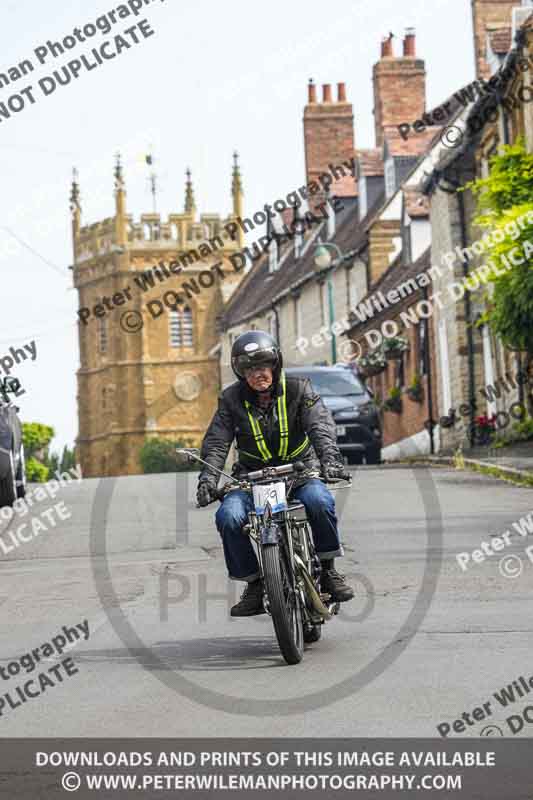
x=329, y=136
x=399, y=85
x=494, y=14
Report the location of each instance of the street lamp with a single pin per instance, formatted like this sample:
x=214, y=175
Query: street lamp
x=324, y=264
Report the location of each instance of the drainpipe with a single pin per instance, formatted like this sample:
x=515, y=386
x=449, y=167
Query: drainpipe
x=427, y=359
x=469, y=329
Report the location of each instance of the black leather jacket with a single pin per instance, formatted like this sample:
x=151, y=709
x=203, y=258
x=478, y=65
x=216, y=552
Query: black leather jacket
x=306, y=415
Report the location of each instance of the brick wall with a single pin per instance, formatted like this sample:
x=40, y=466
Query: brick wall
x=328, y=131
x=411, y=419
x=399, y=87
x=495, y=14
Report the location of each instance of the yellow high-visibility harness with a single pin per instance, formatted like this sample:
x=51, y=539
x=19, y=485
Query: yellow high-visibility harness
x=264, y=452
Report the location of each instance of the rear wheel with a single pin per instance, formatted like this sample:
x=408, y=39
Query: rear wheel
x=284, y=605
x=8, y=487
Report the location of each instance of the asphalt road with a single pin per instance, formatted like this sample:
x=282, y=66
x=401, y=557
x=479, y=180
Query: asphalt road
x=422, y=643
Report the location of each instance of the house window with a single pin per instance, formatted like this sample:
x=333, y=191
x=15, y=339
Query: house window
x=363, y=202
x=296, y=315
x=272, y=326
x=181, y=331
x=102, y=336
x=390, y=177
x=351, y=290
x=322, y=302
x=273, y=255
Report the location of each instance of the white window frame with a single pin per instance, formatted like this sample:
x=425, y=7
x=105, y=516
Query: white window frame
x=181, y=328
x=390, y=178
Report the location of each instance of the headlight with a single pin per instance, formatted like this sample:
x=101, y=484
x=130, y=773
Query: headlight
x=367, y=408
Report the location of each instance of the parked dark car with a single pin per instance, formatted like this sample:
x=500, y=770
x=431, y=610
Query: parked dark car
x=12, y=468
x=352, y=407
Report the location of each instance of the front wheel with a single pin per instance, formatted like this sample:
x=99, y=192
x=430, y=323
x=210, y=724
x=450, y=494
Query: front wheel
x=284, y=605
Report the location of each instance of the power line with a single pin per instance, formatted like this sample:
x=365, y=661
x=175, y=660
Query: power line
x=35, y=253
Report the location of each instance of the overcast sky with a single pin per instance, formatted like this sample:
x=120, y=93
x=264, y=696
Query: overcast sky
x=215, y=77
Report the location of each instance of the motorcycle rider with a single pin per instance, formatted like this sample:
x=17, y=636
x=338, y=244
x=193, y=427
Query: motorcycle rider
x=275, y=419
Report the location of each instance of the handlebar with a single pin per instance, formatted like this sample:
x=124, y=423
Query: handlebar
x=244, y=480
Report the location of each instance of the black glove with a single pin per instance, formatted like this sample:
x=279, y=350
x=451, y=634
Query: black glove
x=332, y=470
x=206, y=493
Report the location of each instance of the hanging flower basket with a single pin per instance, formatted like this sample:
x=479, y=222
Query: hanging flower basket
x=415, y=391
x=372, y=364
x=394, y=347
x=394, y=401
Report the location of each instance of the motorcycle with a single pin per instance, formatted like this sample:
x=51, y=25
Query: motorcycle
x=288, y=563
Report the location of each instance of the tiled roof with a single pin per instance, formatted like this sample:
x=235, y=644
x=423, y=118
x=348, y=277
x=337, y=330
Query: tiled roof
x=416, y=203
x=390, y=279
x=370, y=162
x=255, y=293
x=501, y=40
x=528, y=22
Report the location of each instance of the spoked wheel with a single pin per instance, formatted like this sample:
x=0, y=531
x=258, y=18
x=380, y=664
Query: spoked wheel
x=284, y=605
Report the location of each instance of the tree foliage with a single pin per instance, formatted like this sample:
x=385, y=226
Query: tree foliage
x=159, y=455
x=505, y=212
x=36, y=472
x=35, y=437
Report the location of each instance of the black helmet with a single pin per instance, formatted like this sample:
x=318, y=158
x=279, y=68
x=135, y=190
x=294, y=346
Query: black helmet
x=254, y=349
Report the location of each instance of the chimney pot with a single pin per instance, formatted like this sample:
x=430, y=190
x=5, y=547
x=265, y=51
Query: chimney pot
x=326, y=93
x=341, y=92
x=409, y=43
x=386, y=47
x=311, y=90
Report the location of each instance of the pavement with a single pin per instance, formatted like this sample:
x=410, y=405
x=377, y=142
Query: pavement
x=423, y=642
x=517, y=456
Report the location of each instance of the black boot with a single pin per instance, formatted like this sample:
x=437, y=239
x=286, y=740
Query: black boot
x=334, y=584
x=251, y=602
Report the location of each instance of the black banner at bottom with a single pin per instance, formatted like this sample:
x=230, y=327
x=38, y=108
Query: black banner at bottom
x=488, y=769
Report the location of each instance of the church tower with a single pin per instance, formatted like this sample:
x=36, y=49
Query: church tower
x=149, y=292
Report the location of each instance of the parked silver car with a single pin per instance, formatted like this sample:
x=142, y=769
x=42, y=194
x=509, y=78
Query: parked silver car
x=12, y=467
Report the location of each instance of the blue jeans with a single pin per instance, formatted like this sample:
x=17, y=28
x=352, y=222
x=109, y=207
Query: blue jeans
x=232, y=514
